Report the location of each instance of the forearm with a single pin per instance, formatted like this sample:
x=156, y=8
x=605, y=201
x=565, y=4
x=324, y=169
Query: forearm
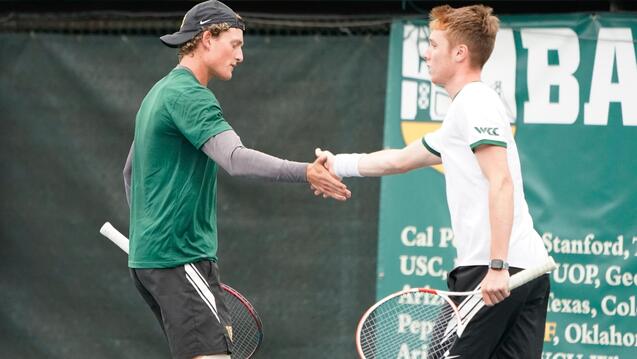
x=381, y=163
x=385, y=162
x=227, y=150
x=500, y=217
x=245, y=162
x=374, y=164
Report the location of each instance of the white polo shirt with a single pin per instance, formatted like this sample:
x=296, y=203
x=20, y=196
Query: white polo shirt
x=476, y=117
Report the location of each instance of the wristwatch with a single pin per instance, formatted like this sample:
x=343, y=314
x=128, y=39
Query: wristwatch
x=498, y=264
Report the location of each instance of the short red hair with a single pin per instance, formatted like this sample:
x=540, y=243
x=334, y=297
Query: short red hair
x=474, y=26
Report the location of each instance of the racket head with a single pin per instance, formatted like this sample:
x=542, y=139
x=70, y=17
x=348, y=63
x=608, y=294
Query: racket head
x=414, y=319
x=376, y=336
x=247, y=329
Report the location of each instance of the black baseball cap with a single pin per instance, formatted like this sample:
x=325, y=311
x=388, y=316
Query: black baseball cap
x=200, y=16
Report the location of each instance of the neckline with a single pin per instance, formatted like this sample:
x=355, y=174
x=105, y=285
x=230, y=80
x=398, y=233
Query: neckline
x=465, y=86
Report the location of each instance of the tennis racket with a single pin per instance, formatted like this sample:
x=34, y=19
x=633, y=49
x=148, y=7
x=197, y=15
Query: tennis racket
x=247, y=329
x=424, y=321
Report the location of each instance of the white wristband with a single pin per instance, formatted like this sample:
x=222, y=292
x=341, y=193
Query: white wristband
x=346, y=164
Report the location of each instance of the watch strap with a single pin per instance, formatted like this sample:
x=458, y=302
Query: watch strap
x=498, y=264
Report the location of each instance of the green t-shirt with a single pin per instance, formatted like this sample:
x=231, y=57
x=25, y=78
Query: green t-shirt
x=174, y=184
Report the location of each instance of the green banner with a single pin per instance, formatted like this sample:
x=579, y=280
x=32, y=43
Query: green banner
x=569, y=83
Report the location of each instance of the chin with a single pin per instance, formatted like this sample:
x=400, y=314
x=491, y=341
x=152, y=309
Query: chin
x=223, y=77
x=436, y=81
x=226, y=77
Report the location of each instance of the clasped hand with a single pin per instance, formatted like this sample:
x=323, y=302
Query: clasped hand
x=322, y=179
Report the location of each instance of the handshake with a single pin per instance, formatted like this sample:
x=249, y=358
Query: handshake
x=323, y=178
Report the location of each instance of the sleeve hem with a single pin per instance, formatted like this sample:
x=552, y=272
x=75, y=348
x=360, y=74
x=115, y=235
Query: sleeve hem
x=213, y=132
x=429, y=148
x=477, y=144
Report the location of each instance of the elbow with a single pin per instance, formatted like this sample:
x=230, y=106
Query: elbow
x=232, y=162
x=402, y=161
x=229, y=170
x=399, y=166
x=233, y=173
x=503, y=184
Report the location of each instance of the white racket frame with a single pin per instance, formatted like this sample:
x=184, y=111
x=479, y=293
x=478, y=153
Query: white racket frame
x=515, y=281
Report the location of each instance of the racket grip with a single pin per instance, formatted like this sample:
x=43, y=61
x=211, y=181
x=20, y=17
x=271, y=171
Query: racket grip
x=529, y=274
x=114, y=235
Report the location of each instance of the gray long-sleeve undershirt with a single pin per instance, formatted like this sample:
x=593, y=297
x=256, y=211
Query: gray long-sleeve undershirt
x=128, y=170
x=228, y=152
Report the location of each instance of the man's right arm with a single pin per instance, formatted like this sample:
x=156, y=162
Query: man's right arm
x=228, y=152
x=381, y=163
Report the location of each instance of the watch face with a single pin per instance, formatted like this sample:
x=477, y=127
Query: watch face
x=496, y=264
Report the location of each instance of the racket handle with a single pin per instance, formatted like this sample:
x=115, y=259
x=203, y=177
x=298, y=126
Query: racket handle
x=529, y=274
x=114, y=235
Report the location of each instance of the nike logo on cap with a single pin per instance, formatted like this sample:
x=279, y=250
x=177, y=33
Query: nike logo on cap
x=201, y=22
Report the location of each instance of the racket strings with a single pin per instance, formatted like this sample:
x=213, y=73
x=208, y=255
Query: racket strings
x=246, y=335
x=396, y=329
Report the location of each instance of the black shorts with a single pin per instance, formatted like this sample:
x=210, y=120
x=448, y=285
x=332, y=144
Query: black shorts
x=513, y=328
x=188, y=302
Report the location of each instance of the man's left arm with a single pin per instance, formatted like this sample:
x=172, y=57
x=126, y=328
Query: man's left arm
x=127, y=172
x=493, y=163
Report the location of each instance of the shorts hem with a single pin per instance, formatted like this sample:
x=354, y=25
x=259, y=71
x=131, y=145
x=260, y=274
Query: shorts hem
x=201, y=352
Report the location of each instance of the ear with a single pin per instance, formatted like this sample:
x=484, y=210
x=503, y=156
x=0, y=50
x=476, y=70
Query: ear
x=461, y=52
x=206, y=40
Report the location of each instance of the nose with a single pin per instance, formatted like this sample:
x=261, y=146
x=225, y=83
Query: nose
x=239, y=56
x=427, y=55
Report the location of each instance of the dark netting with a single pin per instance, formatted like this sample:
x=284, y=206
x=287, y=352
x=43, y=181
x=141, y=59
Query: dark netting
x=68, y=104
x=129, y=23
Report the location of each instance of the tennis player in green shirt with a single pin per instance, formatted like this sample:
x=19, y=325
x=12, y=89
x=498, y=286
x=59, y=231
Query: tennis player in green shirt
x=181, y=139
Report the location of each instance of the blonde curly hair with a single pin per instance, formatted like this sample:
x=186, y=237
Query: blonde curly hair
x=189, y=47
